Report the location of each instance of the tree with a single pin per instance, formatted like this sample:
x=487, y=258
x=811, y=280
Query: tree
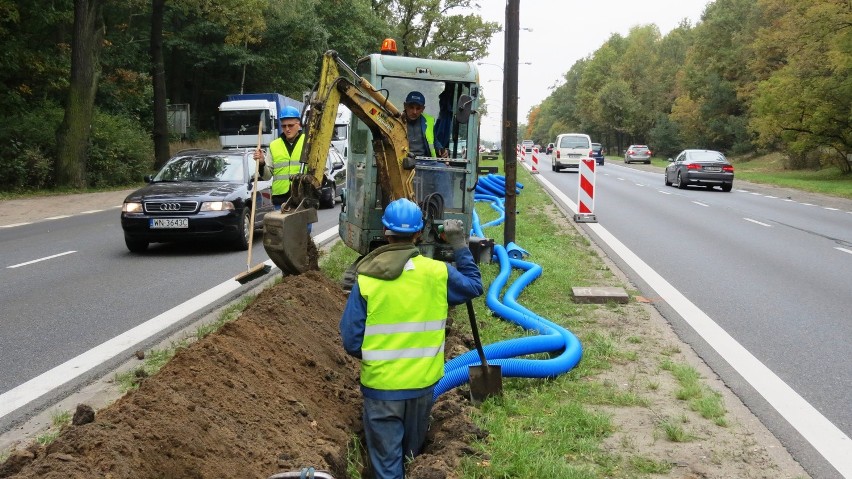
x=715, y=79
x=160, y=131
x=221, y=13
x=805, y=102
x=75, y=130
x=436, y=28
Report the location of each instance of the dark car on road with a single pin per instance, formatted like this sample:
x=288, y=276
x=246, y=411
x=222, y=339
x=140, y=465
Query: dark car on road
x=706, y=168
x=597, y=153
x=198, y=194
x=639, y=153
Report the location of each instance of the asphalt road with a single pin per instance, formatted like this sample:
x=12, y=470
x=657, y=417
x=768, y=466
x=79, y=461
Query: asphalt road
x=772, y=267
x=69, y=284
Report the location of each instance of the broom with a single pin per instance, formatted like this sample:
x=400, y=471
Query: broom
x=261, y=269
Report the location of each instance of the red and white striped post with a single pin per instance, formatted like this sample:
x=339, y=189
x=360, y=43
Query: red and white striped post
x=586, y=192
x=518, y=152
x=535, y=161
x=523, y=153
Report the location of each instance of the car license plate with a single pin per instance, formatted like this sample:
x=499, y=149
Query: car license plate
x=169, y=223
x=713, y=169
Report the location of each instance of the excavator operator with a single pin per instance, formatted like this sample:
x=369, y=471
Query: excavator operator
x=421, y=127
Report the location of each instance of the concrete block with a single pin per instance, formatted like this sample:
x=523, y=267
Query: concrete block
x=599, y=295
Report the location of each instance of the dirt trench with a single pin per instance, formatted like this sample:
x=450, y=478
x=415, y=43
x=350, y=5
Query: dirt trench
x=270, y=392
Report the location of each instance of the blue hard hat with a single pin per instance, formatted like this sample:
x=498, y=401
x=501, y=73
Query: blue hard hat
x=289, y=112
x=403, y=216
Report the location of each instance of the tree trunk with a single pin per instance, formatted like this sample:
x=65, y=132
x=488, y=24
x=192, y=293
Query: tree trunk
x=72, y=138
x=158, y=76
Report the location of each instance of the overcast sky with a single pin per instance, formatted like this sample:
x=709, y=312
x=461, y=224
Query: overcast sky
x=563, y=32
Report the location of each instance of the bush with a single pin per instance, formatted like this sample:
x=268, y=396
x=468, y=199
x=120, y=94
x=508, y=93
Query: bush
x=28, y=147
x=120, y=152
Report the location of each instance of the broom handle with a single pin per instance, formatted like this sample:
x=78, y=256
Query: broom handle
x=254, y=192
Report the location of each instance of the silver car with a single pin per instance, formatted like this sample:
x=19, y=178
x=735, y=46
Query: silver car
x=638, y=153
x=706, y=168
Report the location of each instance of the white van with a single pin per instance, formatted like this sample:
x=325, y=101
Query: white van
x=569, y=148
x=527, y=145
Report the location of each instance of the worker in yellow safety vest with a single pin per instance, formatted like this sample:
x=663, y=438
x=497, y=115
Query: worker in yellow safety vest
x=394, y=321
x=286, y=151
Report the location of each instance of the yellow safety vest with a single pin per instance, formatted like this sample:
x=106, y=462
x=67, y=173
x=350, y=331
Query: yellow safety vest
x=404, y=336
x=284, y=164
x=430, y=134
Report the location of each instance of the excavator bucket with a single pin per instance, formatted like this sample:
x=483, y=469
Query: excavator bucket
x=288, y=242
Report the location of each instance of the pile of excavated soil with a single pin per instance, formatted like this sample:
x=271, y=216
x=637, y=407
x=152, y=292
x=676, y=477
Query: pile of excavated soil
x=270, y=392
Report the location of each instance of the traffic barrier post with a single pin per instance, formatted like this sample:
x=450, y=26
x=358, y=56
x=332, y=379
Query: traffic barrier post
x=535, y=161
x=586, y=192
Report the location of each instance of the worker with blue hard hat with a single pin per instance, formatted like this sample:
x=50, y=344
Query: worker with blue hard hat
x=286, y=151
x=394, y=322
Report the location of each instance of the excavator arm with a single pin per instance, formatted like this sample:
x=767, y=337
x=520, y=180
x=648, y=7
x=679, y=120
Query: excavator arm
x=284, y=232
x=385, y=121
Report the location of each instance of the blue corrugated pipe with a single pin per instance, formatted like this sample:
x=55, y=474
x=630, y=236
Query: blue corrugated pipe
x=552, y=337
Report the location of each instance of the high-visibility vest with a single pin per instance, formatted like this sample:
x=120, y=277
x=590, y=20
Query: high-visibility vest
x=404, y=336
x=430, y=134
x=284, y=164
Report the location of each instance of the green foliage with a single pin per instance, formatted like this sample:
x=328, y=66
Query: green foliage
x=665, y=136
x=28, y=149
x=443, y=29
x=120, y=152
x=805, y=101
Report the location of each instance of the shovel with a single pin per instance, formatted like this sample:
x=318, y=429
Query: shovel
x=485, y=380
x=261, y=269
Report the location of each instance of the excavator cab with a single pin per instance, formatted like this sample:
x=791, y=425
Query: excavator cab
x=443, y=187
x=379, y=167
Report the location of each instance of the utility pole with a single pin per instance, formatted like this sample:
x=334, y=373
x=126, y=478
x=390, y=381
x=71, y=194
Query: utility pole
x=510, y=116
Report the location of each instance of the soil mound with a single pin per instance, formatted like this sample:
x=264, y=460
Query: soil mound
x=272, y=391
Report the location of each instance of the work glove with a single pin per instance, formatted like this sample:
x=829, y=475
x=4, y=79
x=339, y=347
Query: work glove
x=455, y=234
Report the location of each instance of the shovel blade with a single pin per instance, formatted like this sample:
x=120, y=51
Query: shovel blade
x=485, y=382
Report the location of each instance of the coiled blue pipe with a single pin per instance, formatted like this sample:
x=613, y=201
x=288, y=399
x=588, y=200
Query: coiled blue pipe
x=552, y=337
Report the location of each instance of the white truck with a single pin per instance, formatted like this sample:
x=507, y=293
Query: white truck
x=340, y=137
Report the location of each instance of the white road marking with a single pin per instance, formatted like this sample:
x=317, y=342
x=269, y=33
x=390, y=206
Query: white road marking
x=843, y=249
x=758, y=222
x=831, y=209
x=59, y=217
x=701, y=204
x=664, y=192
x=807, y=204
x=39, y=260
x=770, y=196
x=821, y=433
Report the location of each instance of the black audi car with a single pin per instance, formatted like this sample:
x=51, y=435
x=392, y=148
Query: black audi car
x=198, y=194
